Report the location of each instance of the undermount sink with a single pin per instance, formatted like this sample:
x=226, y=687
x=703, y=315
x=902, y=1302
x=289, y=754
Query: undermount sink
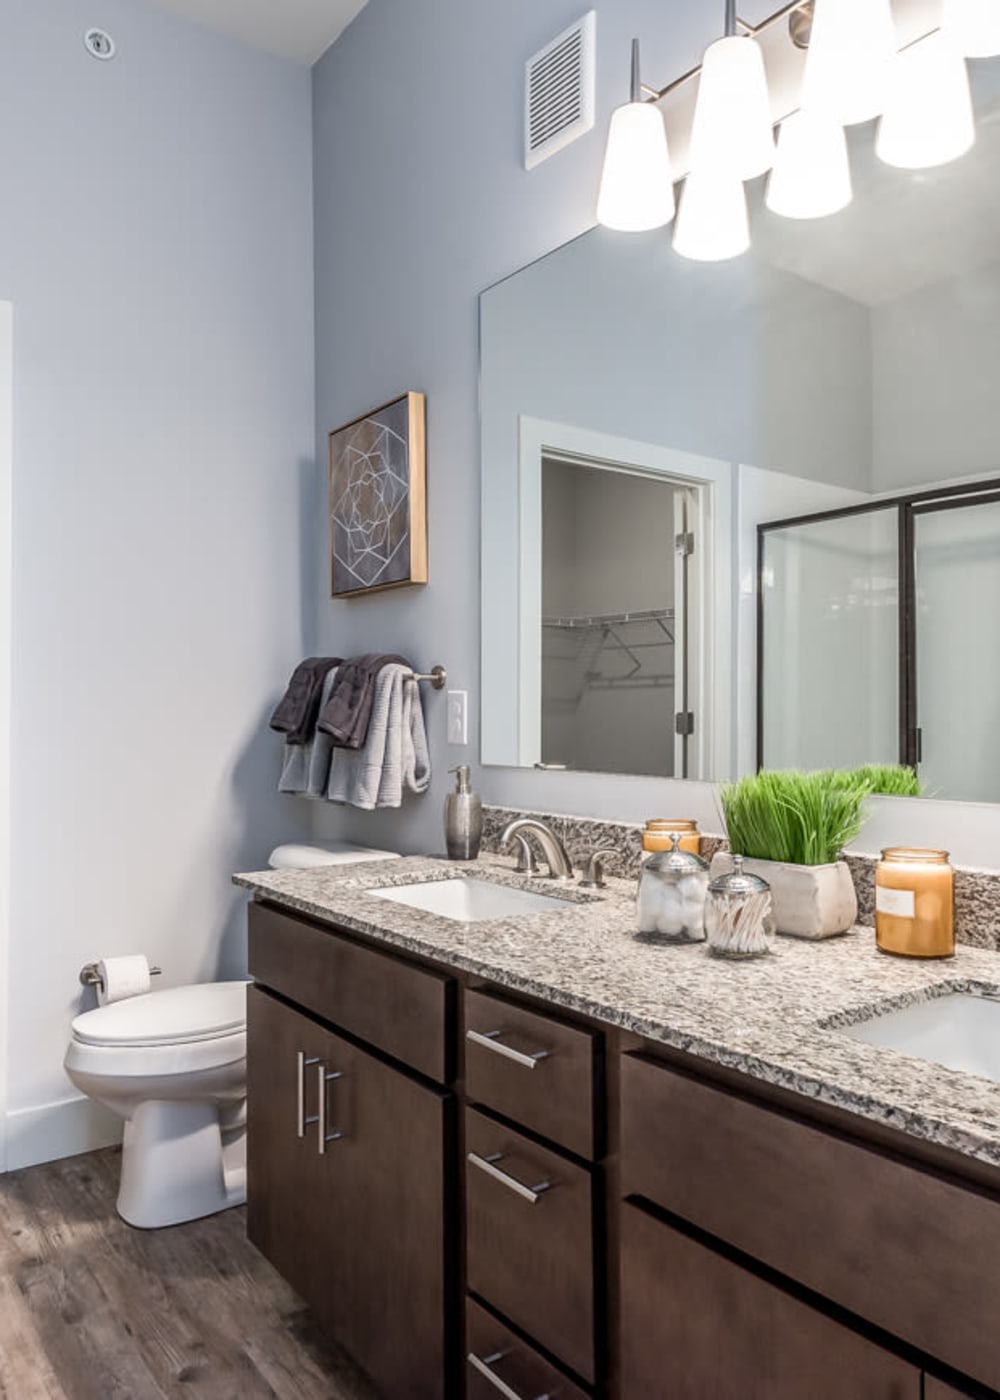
x=958, y=1031
x=471, y=901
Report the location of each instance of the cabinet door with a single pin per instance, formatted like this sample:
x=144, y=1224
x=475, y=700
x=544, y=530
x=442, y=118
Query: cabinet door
x=697, y=1327
x=935, y=1389
x=354, y=1219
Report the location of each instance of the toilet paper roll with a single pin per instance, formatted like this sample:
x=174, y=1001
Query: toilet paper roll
x=122, y=977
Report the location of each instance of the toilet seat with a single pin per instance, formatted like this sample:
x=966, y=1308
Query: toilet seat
x=176, y=1016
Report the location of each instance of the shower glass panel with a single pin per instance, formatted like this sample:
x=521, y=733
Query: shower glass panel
x=610, y=647
x=829, y=672
x=957, y=565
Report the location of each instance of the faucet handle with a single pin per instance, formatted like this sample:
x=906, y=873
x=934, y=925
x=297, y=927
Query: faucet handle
x=525, y=856
x=593, y=872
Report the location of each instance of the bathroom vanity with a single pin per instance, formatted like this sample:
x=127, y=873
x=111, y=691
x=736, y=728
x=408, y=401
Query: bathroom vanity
x=535, y=1156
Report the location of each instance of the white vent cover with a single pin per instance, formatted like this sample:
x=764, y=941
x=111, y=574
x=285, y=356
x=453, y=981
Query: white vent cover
x=559, y=84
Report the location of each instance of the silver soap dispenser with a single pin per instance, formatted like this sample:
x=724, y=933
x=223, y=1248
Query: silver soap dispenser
x=463, y=818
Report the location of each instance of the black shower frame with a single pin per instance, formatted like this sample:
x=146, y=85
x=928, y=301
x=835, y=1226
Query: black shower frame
x=907, y=508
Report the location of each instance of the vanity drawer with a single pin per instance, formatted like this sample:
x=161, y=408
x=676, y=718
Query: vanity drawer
x=529, y=1239
x=395, y=1006
x=538, y=1071
x=908, y=1250
x=496, y=1357
x=696, y=1325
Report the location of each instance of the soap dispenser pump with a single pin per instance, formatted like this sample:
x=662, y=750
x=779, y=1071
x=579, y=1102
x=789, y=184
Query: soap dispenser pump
x=463, y=818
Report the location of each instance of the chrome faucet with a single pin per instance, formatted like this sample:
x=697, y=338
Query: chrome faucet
x=559, y=863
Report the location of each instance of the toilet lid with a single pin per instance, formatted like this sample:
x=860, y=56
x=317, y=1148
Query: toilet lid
x=175, y=1016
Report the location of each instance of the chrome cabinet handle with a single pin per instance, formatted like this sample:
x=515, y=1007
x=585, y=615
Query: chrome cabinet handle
x=301, y=1119
x=484, y=1365
x=323, y=1077
x=490, y=1040
x=488, y=1165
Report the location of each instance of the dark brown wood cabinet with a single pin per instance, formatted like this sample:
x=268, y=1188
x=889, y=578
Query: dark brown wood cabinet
x=348, y=1164
x=627, y=1223
x=696, y=1326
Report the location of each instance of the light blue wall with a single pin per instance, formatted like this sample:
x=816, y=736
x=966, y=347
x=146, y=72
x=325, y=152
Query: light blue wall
x=156, y=242
x=421, y=201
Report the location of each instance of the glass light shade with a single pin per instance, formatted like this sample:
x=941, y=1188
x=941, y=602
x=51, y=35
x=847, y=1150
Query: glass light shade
x=928, y=119
x=973, y=26
x=712, y=223
x=637, y=190
x=811, y=176
x=849, y=60
x=732, y=132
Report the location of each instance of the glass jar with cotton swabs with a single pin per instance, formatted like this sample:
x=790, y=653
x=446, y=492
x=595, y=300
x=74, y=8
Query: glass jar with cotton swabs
x=739, y=914
x=671, y=899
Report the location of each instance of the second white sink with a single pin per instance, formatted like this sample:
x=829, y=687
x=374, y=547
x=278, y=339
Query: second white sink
x=958, y=1031
x=471, y=901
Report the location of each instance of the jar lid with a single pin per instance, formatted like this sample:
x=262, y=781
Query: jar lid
x=917, y=854
x=675, y=860
x=738, y=881
x=670, y=824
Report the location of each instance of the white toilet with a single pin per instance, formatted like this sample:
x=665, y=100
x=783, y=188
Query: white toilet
x=173, y=1065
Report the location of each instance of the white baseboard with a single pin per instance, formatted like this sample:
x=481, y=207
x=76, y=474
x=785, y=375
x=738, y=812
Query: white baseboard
x=61, y=1129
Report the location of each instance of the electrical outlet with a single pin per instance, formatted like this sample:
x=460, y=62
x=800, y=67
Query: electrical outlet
x=458, y=716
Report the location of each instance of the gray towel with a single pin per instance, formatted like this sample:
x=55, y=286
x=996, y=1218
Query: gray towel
x=298, y=709
x=305, y=767
x=394, y=757
x=347, y=713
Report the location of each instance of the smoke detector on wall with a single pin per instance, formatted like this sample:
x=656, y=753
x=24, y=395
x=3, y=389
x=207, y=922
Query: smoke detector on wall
x=559, y=91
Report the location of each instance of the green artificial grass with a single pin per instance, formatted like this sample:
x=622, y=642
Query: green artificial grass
x=806, y=818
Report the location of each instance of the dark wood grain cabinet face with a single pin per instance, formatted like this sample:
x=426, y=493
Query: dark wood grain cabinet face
x=532, y=1260
x=534, y=1069
x=399, y=1008
x=696, y=1326
x=359, y=1228
x=496, y=1356
x=901, y=1247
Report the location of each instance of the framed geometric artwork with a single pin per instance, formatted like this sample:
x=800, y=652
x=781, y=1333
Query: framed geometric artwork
x=378, y=499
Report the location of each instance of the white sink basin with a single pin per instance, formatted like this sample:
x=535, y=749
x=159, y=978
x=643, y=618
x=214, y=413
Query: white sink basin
x=471, y=901
x=958, y=1031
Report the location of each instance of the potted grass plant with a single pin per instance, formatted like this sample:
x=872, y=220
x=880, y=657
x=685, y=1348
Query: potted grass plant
x=791, y=829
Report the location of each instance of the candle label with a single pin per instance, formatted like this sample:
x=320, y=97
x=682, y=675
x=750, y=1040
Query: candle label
x=902, y=903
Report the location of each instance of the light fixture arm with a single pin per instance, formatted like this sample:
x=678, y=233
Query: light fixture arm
x=730, y=18
x=636, y=80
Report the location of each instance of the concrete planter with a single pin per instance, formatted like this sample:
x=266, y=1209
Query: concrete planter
x=810, y=901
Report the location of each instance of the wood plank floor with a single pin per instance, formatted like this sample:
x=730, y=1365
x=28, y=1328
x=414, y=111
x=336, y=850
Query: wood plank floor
x=91, y=1309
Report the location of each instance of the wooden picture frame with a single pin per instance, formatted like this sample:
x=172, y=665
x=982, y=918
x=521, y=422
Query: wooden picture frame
x=378, y=499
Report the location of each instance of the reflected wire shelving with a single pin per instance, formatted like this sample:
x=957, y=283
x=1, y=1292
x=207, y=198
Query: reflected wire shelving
x=602, y=636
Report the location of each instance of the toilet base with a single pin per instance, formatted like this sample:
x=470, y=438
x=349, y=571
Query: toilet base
x=178, y=1163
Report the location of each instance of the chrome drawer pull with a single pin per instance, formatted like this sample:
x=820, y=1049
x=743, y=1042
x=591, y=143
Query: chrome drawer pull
x=302, y=1120
x=484, y=1365
x=488, y=1165
x=490, y=1040
x=324, y=1076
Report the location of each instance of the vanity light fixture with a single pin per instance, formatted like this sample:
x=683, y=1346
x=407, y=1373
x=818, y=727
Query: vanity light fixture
x=854, y=71
x=928, y=116
x=637, y=189
x=973, y=26
x=733, y=128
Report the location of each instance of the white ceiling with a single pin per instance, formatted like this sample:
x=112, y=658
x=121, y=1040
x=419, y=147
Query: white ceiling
x=298, y=29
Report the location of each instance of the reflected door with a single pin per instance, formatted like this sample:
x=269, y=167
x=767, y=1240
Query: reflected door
x=829, y=642
x=956, y=552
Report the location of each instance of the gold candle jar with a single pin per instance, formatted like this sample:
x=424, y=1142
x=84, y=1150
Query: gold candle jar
x=660, y=831
x=915, y=903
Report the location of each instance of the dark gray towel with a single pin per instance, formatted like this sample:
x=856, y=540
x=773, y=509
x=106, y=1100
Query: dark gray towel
x=346, y=714
x=298, y=709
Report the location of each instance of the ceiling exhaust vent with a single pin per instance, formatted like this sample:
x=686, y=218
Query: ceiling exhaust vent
x=559, y=91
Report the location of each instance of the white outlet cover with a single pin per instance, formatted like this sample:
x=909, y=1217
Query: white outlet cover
x=458, y=716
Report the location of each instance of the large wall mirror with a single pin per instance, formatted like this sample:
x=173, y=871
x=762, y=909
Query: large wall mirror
x=643, y=416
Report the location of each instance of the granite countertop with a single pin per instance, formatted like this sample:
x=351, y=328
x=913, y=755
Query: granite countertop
x=775, y=1018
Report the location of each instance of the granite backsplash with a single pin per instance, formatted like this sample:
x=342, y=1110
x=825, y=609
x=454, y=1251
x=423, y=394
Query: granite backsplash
x=977, y=892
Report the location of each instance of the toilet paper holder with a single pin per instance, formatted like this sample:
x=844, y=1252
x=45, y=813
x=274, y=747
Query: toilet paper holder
x=90, y=977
